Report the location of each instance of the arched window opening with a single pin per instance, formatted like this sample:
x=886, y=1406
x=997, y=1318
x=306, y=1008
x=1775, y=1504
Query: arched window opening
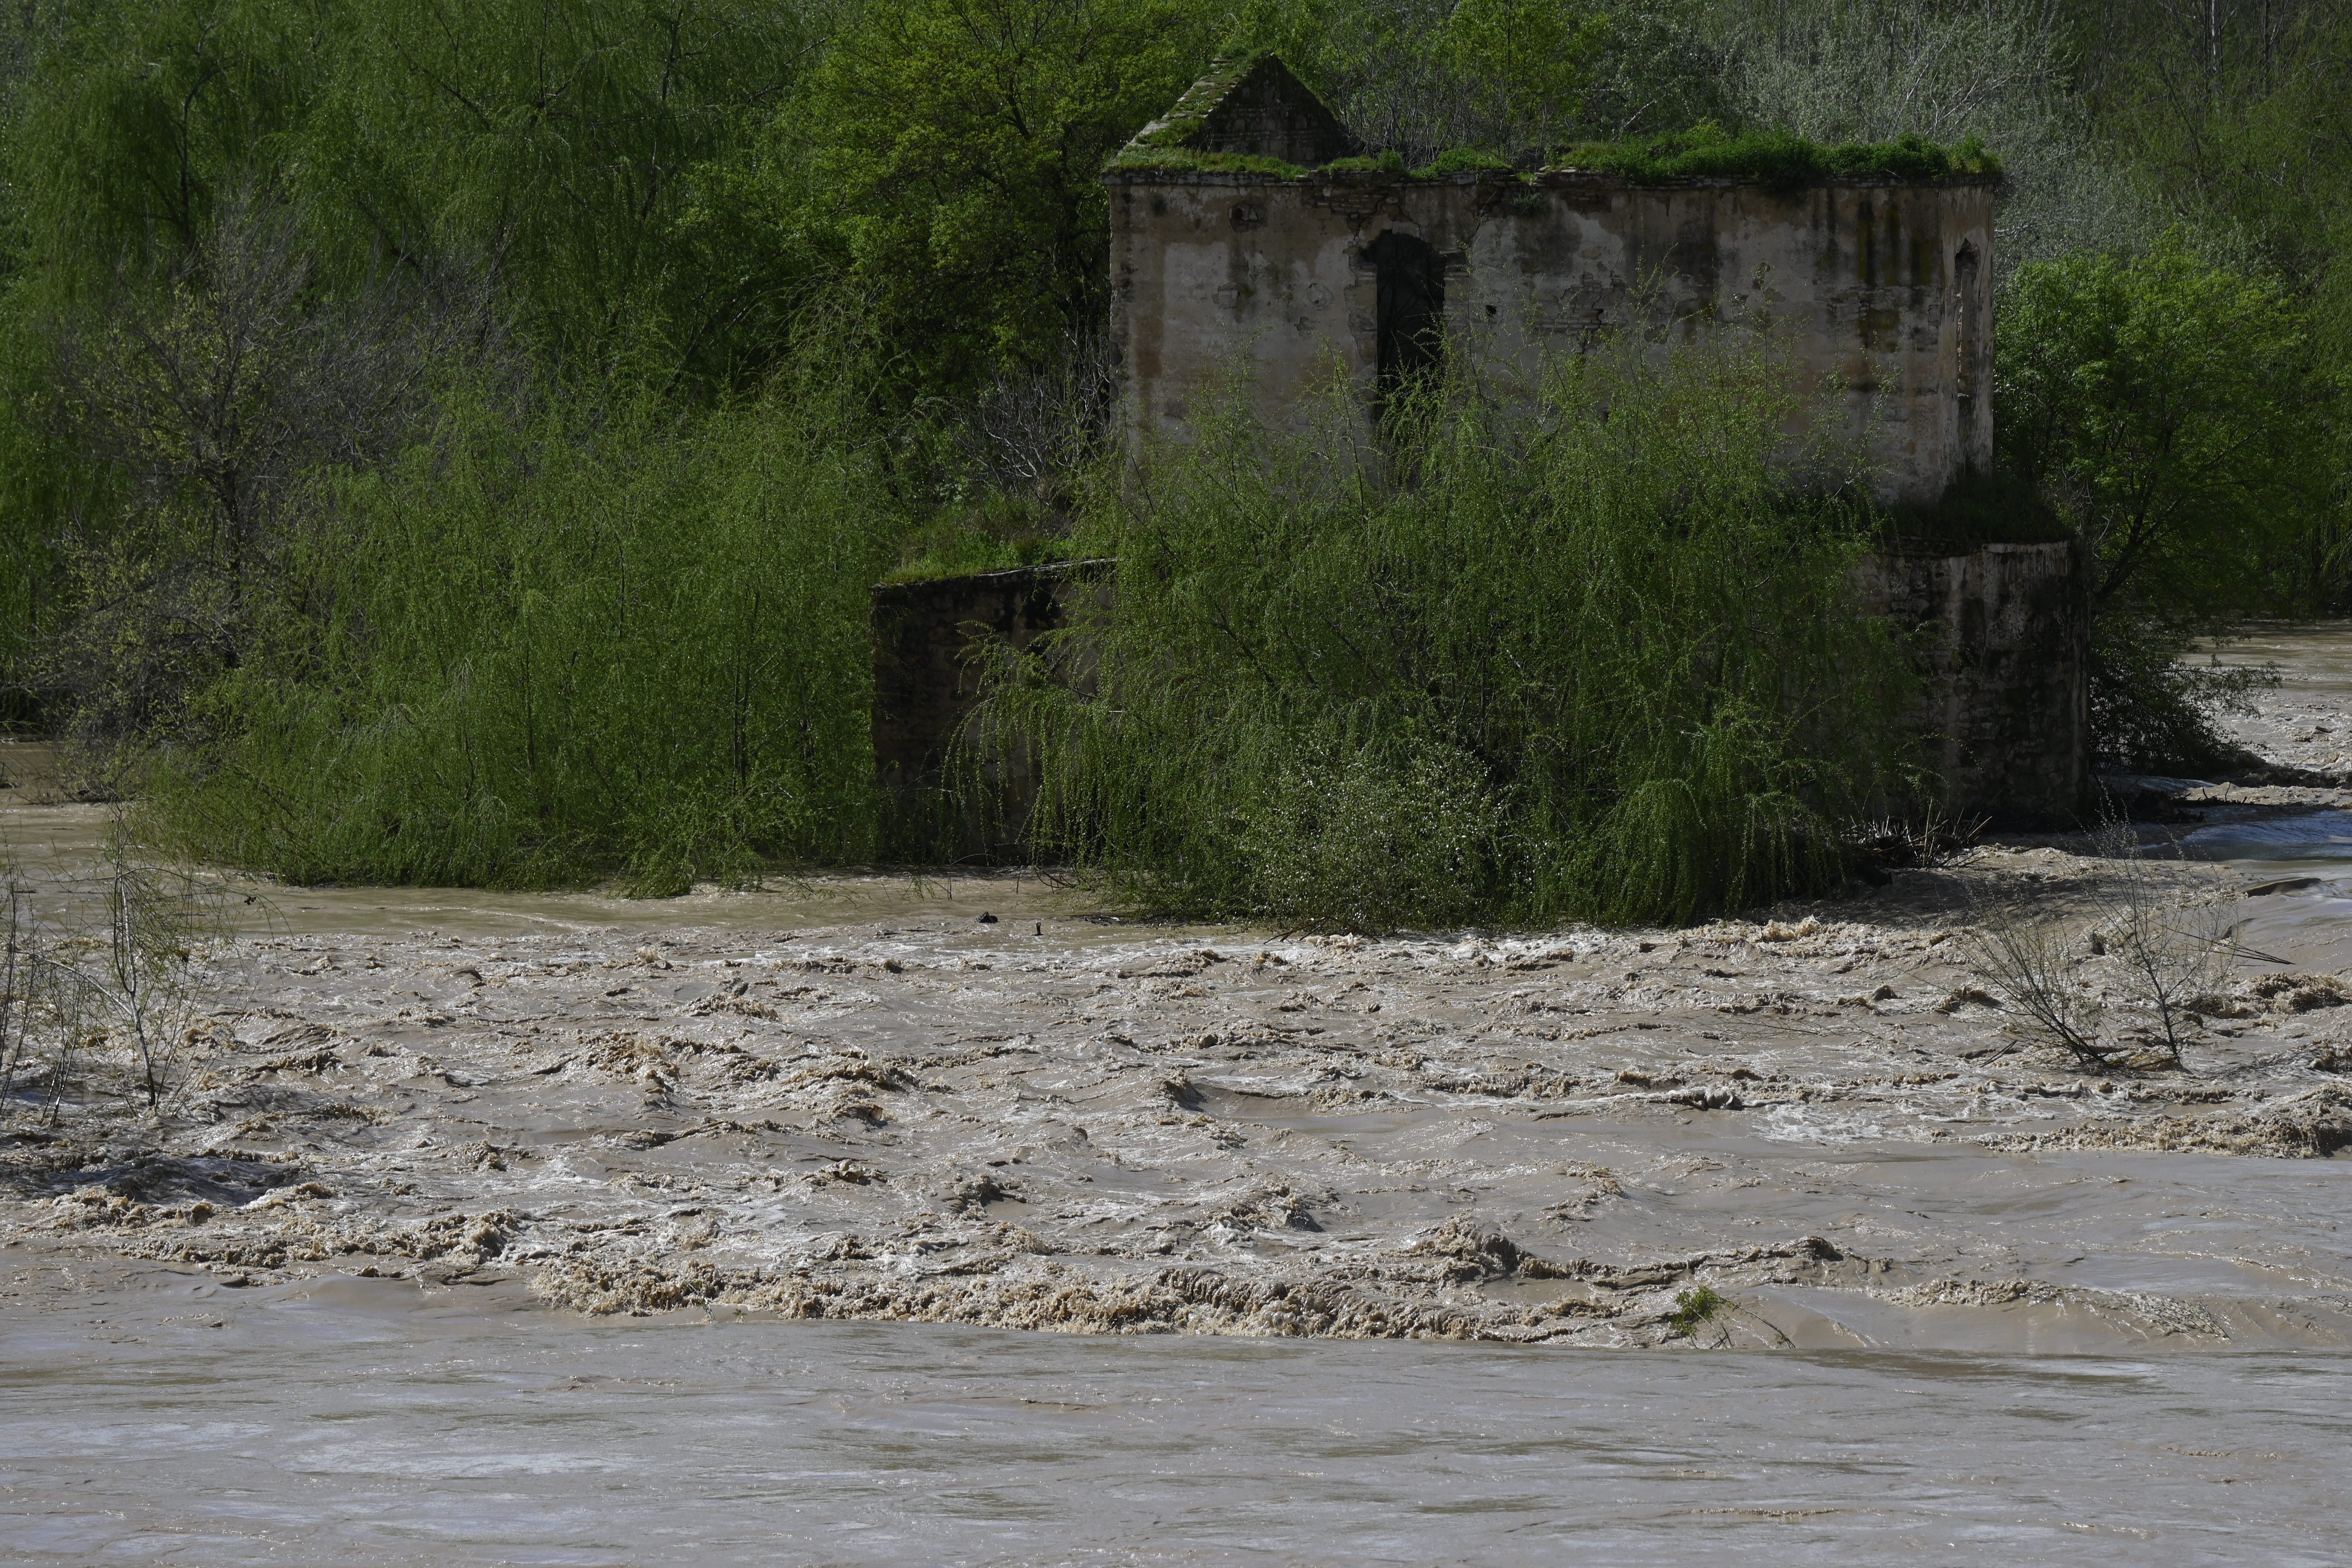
x=1410, y=314
x=1970, y=345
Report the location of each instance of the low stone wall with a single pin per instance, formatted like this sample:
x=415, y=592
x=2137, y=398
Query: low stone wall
x=2002, y=633
x=925, y=684
x=2003, y=636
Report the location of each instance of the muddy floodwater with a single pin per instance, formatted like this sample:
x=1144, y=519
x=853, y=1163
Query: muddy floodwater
x=888, y=1220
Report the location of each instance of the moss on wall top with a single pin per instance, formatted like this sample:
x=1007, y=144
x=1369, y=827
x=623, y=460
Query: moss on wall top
x=1191, y=161
x=1198, y=134
x=1189, y=116
x=1774, y=158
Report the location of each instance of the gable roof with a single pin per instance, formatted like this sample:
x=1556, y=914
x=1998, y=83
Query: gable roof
x=1253, y=106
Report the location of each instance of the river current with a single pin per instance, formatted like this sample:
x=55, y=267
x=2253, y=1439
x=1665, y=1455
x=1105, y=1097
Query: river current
x=150, y=1412
x=337, y=1428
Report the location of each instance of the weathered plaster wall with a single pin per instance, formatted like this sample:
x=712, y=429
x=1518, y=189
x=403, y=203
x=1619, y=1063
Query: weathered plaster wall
x=1880, y=293
x=2003, y=637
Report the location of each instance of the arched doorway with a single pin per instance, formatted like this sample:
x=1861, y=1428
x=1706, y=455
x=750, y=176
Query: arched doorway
x=1410, y=314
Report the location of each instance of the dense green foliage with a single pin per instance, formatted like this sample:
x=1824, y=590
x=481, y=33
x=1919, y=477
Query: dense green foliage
x=575, y=149
x=2170, y=408
x=2172, y=412
x=452, y=440
x=536, y=654
x=1594, y=663
x=957, y=152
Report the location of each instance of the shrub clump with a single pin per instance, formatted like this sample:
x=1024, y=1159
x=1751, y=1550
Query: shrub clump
x=1592, y=659
x=547, y=650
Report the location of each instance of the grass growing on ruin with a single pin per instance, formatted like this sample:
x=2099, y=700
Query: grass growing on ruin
x=1775, y=158
x=1586, y=660
x=1191, y=161
x=1781, y=159
x=554, y=649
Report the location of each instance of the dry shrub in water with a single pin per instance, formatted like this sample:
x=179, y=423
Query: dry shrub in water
x=98, y=988
x=2032, y=962
x=2164, y=952
x=2172, y=951
x=1578, y=651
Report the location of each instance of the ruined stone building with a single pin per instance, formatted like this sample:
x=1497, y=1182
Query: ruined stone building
x=1236, y=242
x=1879, y=292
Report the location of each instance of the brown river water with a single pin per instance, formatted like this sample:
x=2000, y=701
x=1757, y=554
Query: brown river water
x=835, y=1225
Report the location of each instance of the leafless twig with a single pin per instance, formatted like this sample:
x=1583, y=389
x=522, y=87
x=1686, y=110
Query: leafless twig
x=2031, y=961
x=106, y=958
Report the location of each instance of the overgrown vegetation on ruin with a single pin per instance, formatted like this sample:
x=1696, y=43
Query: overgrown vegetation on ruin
x=433, y=446
x=1590, y=661
x=1772, y=157
x=1777, y=157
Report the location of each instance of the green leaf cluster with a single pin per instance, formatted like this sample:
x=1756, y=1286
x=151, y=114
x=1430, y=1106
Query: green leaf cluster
x=576, y=150
x=2174, y=413
x=2169, y=408
x=1526, y=63
x=2234, y=119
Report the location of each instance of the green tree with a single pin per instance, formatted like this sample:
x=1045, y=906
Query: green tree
x=2237, y=115
x=1526, y=62
x=2171, y=411
x=2168, y=407
x=589, y=173
x=957, y=149
x=585, y=151
x=573, y=148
